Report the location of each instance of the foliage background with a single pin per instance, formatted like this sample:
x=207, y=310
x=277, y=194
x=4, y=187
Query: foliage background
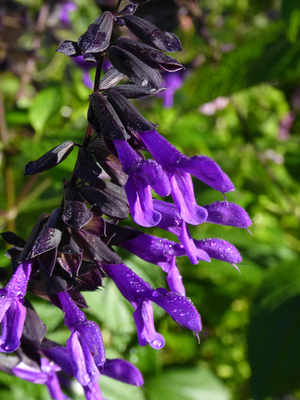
x=247, y=51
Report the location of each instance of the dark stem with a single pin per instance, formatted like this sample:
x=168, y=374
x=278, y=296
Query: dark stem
x=117, y=7
x=89, y=130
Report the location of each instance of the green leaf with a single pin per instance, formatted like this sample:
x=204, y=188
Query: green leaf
x=270, y=57
x=186, y=384
x=292, y=163
x=290, y=11
x=45, y=104
x=273, y=336
x=115, y=390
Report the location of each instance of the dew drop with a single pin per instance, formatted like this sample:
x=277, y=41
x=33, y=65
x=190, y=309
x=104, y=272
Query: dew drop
x=158, y=344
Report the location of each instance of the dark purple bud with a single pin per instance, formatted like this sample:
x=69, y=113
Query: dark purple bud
x=68, y=245
x=38, y=226
x=86, y=167
x=123, y=371
x=89, y=277
x=34, y=328
x=70, y=262
x=50, y=235
x=110, y=163
x=107, y=201
x=97, y=37
x=69, y=48
x=50, y=159
x=111, y=78
x=150, y=56
x=136, y=70
x=96, y=226
x=13, y=239
x=76, y=214
x=129, y=9
x=94, y=249
x=134, y=91
x=226, y=213
x=151, y=35
x=104, y=119
x=131, y=118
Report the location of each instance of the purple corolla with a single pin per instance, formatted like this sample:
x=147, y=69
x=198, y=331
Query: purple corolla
x=12, y=310
x=140, y=294
x=85, y=345
x=142, y=176
x=179, y=169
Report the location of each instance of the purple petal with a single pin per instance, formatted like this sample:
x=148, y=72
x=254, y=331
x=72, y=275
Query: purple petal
x=93, y=392
x=193, y=253
x=90, y=332
x=123, y=371
x=153, y=249
x=12, y=327
x=30, y=374
x=184, y=199
x=73, y=315
x=170, y=218
x=149, y=170
x=179, y=307
x=155, y=176
x=60, y=356
x=161, y=150
x=83, y=364
x=131, y=286
x=207, y=171
x=219, y=249
x=174, y=278
x=225, y=213
x=140, y=201
x=87, y=81
x=128, y=157
x=143, y=317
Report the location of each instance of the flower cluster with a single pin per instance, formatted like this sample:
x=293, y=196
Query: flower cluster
x=72, y=250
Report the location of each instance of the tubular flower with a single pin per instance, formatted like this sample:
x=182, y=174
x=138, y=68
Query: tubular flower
x=12, y=310
x=85, y=345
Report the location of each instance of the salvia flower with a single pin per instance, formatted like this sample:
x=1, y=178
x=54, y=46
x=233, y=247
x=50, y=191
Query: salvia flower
x=12, y=310
x=85, y=345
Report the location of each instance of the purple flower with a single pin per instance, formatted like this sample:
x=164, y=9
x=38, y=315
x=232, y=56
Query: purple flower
x=44, y=376
x=85, y=345
x=12, y=310
x=66, y=8
x=142, y=176
x=93, y=392
x=140, y=294
x=85, y=66
x=123, y=371
x=172, y=81
x=172, y=222
x=161, y=252
x=179, y=167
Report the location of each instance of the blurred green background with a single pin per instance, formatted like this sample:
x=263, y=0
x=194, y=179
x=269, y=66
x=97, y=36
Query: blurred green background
x=246, y=54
